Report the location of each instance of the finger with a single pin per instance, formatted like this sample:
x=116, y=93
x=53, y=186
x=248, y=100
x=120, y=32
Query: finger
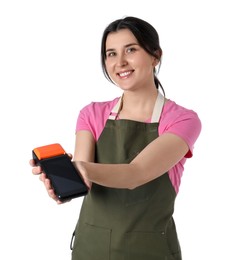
x=52, y=194
x=36, y=170
x=32, y=162
x=47, y=183
x=50, y=190
x=42, y=177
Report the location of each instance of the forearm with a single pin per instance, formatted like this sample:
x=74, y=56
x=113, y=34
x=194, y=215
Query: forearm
x=110, y=175
x=153, y=161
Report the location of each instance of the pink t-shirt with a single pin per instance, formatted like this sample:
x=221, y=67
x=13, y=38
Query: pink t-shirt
x=174, y=119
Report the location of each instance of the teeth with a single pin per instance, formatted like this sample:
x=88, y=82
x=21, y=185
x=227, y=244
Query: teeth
x=123, y=74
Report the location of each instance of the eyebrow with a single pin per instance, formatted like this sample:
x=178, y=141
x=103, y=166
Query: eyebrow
x=126, y=46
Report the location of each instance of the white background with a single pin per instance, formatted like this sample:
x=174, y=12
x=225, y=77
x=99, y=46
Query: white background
x=50, y=68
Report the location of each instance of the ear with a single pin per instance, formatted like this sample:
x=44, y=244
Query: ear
x=157, y=59
x=155, y=62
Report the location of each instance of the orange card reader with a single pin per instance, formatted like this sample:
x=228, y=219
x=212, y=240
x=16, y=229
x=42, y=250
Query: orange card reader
x=59, y=169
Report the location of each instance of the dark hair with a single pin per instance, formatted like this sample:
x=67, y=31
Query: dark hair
x=145, y=34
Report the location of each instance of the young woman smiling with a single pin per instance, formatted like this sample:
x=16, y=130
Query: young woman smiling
x=131, y=152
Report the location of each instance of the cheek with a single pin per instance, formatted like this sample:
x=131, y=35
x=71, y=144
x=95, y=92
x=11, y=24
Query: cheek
x=108, y=64
x=110, y=68
x=145, y=61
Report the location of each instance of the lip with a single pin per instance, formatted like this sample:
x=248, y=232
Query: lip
x=125, y=74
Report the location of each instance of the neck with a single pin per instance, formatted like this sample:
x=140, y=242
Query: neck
x=138, y=106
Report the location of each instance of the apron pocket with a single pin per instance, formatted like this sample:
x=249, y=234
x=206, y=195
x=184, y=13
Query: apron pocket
x=92, y=243
x=149, y=246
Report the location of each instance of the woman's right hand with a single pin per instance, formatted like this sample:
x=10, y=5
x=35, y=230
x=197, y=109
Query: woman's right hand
x=37, y=170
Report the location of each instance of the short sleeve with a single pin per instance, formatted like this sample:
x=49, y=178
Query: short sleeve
x=182, y=122
x=94, y=116
x=85, y=120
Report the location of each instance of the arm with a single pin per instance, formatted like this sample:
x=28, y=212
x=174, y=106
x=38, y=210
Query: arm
x=156, y=159
x=84, y=150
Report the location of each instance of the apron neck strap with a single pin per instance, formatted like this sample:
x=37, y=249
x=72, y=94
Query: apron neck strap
x=115, y=111
x=156, y=111
x=158, y=108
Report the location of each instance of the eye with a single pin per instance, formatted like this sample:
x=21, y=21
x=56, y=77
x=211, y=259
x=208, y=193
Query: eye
x=130, y=50
x=110, y=54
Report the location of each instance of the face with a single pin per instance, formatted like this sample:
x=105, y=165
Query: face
x=127, y=63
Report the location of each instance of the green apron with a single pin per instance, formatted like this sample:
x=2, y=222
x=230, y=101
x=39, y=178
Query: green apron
x=123, y=224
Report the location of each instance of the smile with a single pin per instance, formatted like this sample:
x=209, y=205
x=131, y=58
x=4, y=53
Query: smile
x=125, y=74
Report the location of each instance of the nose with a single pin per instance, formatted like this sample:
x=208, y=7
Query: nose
x=121, y=60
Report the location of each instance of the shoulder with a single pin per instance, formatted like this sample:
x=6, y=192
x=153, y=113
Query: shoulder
x=173, y=112
x=93, y=116
x=172, y=106
x=181, y=121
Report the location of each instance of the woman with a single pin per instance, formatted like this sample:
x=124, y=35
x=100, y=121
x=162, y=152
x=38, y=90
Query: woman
x=131, y=153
